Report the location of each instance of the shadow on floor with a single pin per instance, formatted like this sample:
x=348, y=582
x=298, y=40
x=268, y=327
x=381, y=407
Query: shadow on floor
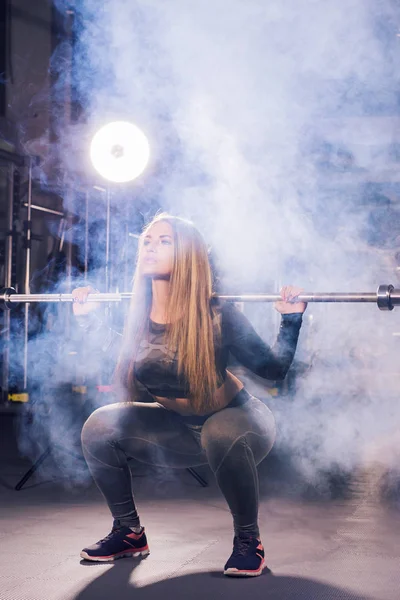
x=115, y=583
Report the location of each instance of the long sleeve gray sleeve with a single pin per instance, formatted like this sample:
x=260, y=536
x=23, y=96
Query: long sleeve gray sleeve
x=250, y=349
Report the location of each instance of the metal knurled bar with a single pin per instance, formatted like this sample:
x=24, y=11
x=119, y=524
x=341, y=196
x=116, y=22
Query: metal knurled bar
x=384, y=292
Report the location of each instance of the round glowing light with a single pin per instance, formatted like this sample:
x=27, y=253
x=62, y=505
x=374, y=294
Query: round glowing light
x=120, y=151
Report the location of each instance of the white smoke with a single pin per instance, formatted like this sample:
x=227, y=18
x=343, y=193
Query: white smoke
x=259, y=116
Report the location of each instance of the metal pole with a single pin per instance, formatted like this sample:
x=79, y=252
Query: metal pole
x=107, y=269
x=68, y=270
x=27, y=274
x=46, y=210
x=86, y=235
x=363, y=297
x=69, y=246
x=61, y=233
x=68, y=75
x=7, y=279
x=305, y=297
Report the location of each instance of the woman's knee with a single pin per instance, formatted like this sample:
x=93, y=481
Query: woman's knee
x=235, y=430
x=101, y=425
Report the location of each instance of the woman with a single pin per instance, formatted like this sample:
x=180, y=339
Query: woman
x=175, y=347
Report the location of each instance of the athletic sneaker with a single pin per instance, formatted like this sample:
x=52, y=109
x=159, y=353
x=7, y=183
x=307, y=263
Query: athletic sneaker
x=247, y=558
x=117, y=544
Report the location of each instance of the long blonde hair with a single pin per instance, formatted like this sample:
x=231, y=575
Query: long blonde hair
x=192, y=327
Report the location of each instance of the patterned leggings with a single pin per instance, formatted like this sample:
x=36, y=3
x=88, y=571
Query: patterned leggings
x=232, y=441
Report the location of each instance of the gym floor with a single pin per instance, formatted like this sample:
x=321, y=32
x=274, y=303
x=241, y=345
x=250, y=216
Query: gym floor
x=344, y=547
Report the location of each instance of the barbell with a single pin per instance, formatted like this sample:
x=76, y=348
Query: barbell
x=386, y=297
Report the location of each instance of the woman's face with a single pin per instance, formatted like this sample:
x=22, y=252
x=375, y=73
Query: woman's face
x=157, y=253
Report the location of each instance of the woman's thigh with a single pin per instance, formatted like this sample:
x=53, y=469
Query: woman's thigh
x=145, y=431
x=252, y=422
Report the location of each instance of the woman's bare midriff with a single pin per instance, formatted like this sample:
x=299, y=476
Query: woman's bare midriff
x=224, y=394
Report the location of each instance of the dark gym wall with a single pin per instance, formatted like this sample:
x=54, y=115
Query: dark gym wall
x=3, y=55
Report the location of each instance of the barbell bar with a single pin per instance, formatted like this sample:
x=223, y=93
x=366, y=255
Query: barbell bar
x=386, y=297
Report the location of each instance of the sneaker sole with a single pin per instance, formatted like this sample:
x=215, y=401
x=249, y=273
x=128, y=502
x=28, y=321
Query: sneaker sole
x=236, y=573
x=124, y=554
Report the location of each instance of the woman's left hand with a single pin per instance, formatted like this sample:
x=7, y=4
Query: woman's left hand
x=288, y=304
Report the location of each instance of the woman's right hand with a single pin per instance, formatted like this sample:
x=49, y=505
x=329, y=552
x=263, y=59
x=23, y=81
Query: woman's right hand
x=80, y=306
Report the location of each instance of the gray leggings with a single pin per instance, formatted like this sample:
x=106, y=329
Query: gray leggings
x=231, y=441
